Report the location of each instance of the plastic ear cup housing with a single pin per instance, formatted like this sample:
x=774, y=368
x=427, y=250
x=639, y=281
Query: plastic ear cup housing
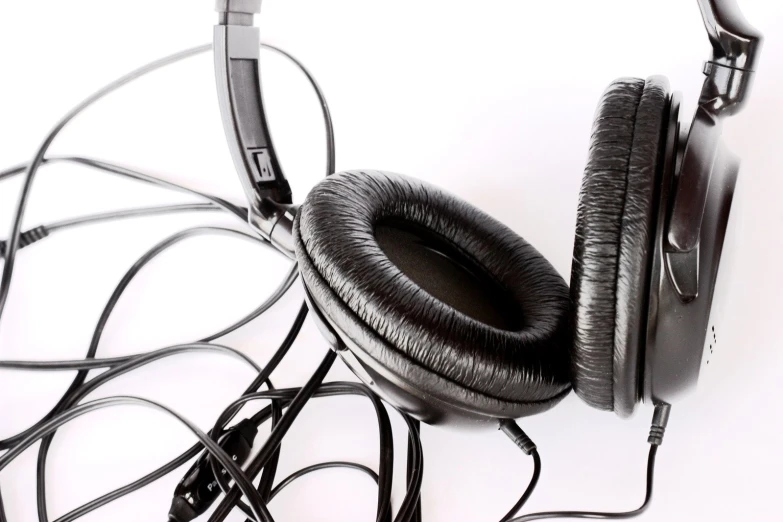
x=680, y=331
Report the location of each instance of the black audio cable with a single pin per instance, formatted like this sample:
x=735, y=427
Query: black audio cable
x=325, y=390
x=88, y=387
x=132, y=174
x=275, y=438
x=116, y=371
x=31, y=169
x=521, y=440
x=39, y=158
x=40, y=232
x=2, y=511
x=109, y=308
x=128, y=363
x=94, y=364
x=242, y=482
x=237, y=438
x=69, y=405
x=655, y=439
x=318, y=467
x=411, y=502
x=276, y=358
x=111, y=363
x=416, y=517
x=386, y=452
x=415, y=466
x=27, y=238
x=68, y=398
x=199, y=488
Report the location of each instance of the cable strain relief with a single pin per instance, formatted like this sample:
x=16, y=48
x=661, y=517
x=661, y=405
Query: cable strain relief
x=248, y=429
x=659, y=423
x=26, y=238
x=33, y=235
x=656, y=435
x=517, y=435
x=181, y=511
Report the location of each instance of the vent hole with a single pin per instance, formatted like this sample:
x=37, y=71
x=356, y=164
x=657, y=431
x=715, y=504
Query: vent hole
x=713, y=344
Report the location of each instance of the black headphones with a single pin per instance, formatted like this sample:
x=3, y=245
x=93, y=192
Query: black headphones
x=453, y=317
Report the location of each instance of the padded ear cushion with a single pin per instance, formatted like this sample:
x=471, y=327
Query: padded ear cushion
x=615, y=224
x=416, y=336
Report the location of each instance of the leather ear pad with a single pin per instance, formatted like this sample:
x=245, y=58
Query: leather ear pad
x=615, y=224
x=429, y=344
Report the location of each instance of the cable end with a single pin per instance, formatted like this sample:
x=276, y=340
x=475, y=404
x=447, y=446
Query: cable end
x=517, y=435
x=181, y=511
x=659, y=422
x=26, y=239
x=199, y=488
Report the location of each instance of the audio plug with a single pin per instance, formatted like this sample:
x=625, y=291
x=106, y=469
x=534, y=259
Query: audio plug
x=198, y=489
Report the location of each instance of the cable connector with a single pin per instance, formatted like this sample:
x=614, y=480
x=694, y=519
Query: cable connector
x=517, y=436
x=26, y=238
x=659, y=422
x=198, y=489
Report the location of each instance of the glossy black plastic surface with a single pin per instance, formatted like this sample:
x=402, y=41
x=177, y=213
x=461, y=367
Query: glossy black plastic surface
x=199, y=489
x=736, y=46
x=735, y=43
x=677, y=326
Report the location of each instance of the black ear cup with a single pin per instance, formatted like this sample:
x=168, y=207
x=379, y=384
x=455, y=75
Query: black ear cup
x=614, y=230
x=436, y=293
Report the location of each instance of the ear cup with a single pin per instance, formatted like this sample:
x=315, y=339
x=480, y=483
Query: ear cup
x=408, y=310
x=615, y=221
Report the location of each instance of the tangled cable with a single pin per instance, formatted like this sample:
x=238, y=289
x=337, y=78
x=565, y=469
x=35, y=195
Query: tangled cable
x=221, y=452
x=214, y=445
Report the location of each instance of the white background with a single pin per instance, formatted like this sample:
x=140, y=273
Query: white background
x=491, y=100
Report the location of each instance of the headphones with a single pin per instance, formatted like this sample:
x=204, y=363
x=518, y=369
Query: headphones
x=454, y=318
